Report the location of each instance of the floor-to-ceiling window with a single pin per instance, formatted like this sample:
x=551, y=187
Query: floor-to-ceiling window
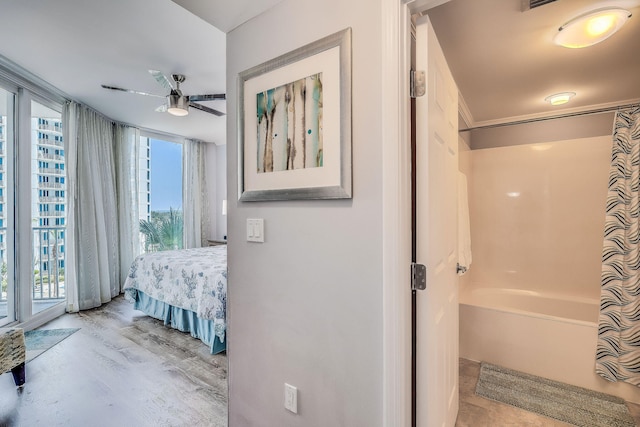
x=160, y=180
x=32, y=204
x=48, y=207
x=7, y=288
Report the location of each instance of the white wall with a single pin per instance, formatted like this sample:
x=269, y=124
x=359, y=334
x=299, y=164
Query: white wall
x=305, y=307
x=537, y=215
x=466, y=167
x=216, y=176
x=221, y=191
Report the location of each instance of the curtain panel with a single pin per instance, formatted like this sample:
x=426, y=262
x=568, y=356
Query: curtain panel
x=102, y=197
x=194, y=194
x=618, y=349
x=127, y=141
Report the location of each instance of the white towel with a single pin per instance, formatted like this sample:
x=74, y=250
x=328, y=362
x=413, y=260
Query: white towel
x=464, y=226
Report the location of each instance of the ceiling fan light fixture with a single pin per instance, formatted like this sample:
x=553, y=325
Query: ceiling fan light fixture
x=591, y=27
x=560, y=98
x=178, y=105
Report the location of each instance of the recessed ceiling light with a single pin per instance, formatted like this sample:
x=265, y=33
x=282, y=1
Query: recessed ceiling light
x=560, y=98
x=591, y=28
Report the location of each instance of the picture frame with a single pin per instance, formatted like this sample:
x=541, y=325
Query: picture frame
x=294, y=124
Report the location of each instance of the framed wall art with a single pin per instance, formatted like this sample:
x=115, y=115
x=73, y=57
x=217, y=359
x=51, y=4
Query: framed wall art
x=294, y=124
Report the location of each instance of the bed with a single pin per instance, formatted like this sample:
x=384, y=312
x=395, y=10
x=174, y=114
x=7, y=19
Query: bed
x=186, y=288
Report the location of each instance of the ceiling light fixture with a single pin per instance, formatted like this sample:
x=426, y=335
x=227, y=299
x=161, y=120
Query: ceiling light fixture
x=591, y=27
x=560, y=98
x=178, y=104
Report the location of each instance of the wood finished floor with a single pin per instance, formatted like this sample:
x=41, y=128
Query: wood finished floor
x=476, y=411
x=121, y=368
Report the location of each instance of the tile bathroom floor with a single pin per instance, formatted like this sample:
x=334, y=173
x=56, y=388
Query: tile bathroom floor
x=476, y=411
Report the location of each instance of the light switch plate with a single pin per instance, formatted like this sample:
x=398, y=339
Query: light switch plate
x=255, y=230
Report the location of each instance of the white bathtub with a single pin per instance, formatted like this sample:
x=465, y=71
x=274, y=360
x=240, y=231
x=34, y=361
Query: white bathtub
x=551, y=336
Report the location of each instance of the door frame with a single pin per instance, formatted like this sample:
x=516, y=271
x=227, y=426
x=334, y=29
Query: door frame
x=27, y=87
x=396, y=207
x=23, y=253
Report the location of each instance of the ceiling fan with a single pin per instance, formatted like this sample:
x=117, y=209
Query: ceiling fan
x=177, y=103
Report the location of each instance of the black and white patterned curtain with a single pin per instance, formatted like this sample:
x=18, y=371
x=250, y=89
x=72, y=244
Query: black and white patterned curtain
x=618, y=351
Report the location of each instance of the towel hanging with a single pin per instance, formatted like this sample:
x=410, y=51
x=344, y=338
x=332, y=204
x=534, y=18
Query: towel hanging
x=464, y=226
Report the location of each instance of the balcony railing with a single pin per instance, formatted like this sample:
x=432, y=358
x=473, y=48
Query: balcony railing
x=49, y=156
x=52, y=199
x=51, y=171
x=48, y=274
x=45, y=141
x=50, y=127
x=47, y=283
x=50, y=185
x=45, y=214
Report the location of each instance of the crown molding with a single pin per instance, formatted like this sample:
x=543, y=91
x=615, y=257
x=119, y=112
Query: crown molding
x=465, y=113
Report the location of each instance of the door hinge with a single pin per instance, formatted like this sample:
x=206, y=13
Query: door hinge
x=417, y=83
x=418, y=277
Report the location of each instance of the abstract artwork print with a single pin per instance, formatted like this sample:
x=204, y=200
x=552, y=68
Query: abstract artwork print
x=289, y=126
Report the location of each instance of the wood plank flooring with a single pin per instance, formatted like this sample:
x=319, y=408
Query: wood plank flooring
x=122, y=368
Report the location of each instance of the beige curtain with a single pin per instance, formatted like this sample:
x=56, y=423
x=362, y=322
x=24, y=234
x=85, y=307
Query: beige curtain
x=101, y=232
x=194, y=194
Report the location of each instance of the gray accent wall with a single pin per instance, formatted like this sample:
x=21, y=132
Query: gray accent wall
x=305, y=306
x=543, y=131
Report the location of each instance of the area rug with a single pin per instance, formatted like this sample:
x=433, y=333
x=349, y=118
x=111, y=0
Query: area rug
x=40, y=340
x=563, y=402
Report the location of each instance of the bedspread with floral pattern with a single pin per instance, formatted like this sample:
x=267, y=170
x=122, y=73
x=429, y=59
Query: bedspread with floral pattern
x=191, y=279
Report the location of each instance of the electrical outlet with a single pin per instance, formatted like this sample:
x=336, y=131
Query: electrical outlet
x=291, y=398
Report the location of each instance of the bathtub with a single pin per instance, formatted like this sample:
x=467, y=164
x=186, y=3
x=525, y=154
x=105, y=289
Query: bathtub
x=552, y=336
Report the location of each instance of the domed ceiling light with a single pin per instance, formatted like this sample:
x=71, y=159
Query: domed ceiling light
x=591, y=28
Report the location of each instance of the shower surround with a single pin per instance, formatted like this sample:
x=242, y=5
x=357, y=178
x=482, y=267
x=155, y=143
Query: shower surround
x=530, y=300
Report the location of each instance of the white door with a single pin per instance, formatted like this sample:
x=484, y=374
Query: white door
x=436, y=221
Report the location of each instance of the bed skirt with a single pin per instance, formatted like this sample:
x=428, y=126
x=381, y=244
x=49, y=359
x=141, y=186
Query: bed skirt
x=180, y=319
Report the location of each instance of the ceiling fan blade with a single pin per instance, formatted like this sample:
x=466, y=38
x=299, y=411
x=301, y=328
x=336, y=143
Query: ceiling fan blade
x=210, y=97
x=206, y=109
x=162, y=79
x=132, y=91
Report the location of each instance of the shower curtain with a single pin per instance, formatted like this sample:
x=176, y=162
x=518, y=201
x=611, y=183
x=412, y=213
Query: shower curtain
x=618, y=350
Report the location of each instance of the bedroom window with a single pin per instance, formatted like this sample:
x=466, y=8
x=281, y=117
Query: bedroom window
x=7, y=288
x=32, y=170
x=48, y=213
x=160, y=195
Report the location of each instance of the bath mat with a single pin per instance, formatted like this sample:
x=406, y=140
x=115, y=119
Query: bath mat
x=40, y=340
x=563, y=402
